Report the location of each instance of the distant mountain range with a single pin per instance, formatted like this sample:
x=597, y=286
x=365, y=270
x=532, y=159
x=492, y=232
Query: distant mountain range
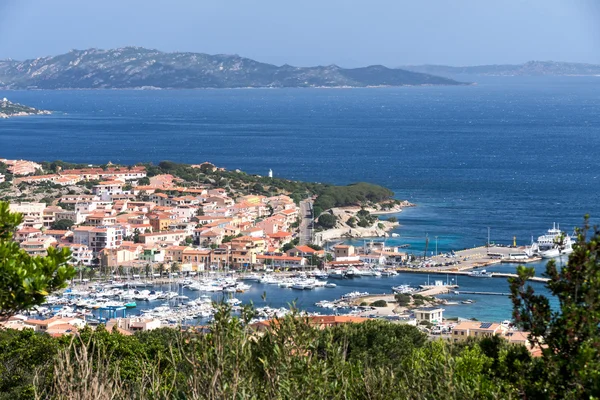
x=137, y=67
x=531, y=68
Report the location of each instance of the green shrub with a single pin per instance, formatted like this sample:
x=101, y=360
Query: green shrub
x=379, y=303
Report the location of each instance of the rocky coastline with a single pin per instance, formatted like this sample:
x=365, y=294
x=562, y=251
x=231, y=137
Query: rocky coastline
x=9, y=109
x=345, y=229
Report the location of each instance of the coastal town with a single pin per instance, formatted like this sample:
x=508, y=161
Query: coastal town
x=129, y=232
x=299, y=200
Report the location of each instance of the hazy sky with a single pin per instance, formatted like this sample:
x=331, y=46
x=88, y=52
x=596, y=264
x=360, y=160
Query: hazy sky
x=310, y=32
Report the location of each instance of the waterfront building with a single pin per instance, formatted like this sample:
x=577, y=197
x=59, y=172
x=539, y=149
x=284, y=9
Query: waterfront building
x=304, y=251
x=242, y=258
x=281, y=261
x=433, y=315
x=465, y=329
x=344, y=252
x=373, y=258
x=153, y=255
x=174, y=253
x=56, y=325
x=195, y=259
x=254, y=244
x=133, y=324
x=16, y=322
x=114, y=257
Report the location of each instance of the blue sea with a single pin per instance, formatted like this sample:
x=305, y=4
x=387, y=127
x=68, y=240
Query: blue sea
x=511, y=154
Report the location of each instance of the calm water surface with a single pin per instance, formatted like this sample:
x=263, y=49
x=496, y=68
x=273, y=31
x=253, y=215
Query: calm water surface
x=512, y=154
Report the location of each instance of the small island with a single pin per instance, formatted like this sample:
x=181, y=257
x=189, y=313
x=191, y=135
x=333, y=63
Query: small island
x=10, y=109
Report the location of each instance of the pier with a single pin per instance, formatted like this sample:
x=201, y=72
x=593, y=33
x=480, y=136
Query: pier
x=437, y=271
x=463, y=261
x=435, y=290
x=481, y=293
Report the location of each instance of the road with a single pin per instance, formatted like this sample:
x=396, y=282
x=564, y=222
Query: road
x=306, y=223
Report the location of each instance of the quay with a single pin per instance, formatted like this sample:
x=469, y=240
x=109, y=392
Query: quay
x=436, y=271
x=482, y=293
x=435, y=290
x=478, y=257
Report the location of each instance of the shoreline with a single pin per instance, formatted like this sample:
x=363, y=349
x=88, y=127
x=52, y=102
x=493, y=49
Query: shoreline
x=344, y=231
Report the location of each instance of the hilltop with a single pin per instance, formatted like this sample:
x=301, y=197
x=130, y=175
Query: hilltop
x=137, y=67
x=531, y=68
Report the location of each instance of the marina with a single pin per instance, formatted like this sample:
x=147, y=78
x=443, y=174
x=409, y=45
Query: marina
x=179, y=301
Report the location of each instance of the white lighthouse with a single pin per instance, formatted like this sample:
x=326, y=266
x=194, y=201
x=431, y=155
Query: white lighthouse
x=270, y=173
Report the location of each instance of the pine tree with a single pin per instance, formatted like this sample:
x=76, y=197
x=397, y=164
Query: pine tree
x=570, y=335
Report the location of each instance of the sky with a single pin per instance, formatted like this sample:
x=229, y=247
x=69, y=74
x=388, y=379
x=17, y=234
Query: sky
x=349, y=33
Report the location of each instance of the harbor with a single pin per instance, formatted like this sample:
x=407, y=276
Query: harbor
x=188, y=302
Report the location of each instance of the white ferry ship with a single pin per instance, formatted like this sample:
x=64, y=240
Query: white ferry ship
x=553, y=244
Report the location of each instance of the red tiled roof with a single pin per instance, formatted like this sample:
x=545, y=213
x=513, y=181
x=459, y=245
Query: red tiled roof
x=279, y=235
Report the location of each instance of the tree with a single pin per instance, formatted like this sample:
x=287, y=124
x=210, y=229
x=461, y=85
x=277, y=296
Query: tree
x=136, y=235
x=287, y=246
x=25, y=281
x=569, y=336
x=379, y=303
x=62, y=224
x=176, y=267
x=403, y=299
x=327, y=220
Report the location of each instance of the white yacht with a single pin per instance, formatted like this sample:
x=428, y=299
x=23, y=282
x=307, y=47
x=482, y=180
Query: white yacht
x=337, y=274
x=269, y=280
x=553, y=244
x=481, y=274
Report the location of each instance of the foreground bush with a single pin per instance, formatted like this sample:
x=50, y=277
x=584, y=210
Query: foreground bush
x=291, y=360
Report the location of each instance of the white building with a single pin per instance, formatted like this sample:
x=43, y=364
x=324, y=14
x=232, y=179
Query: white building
x=432, y=315
x=33, y=213
x=80, y=254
